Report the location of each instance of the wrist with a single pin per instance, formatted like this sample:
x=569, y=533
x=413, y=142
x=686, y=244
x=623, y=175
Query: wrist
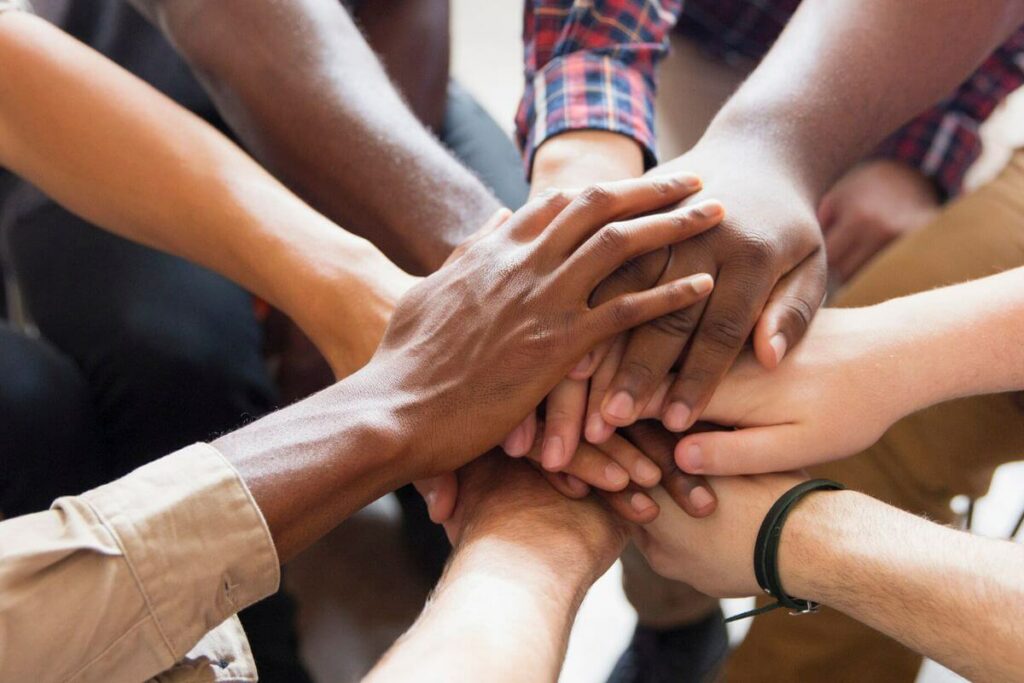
x=579, y=158
x=814, y=545
x=524, y=567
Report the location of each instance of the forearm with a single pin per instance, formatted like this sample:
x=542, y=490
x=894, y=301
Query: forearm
x=843, y=75
x=955, y=598
x=313, y=464
x=957, y=341
x=333, y=129
x=500, y=613
x=118, y=153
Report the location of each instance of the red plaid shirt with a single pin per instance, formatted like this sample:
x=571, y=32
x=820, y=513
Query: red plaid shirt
x=591, y=65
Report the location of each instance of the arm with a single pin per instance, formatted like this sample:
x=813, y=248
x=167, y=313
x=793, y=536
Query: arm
x=333, y=129
x=769, y=155
x=115, y=151
x=951, y=596
x=826, y=401
x=436, y=394
x=523, y=558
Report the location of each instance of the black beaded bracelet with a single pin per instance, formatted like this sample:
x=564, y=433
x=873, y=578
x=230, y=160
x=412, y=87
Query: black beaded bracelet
x=766, y=550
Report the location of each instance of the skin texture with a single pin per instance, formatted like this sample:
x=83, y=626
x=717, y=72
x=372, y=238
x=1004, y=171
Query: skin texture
x=374, y=167
x=951, y=596
x=825, y=401
x=873, y=204
x=130, y=160
x=769, y=155
x=411, y=38
x=523, y=557
x=449, y=379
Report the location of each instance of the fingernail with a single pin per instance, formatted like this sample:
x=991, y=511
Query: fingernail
x=693, y=460
x=677, y=417
x=646, y=472
x=702, y=284
x=515, y=444
x=701, y=498
x=709, y=208
x=577, y=486
x=594, y=428
x=779, y=346
x=553, y=453
x=620, y=406
x=641, y=502
x=615, y=475
x=584, y=365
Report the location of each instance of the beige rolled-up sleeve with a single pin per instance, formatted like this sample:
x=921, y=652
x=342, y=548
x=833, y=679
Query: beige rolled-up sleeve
x=137, y=579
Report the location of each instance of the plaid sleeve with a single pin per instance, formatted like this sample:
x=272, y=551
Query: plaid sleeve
x=590, y=65
x=943, y=142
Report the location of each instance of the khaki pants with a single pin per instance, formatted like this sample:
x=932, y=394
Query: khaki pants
x=918, y=465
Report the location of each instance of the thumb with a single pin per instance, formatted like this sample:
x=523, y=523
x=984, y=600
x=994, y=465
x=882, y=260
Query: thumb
x=440, y=494
x=755, y=450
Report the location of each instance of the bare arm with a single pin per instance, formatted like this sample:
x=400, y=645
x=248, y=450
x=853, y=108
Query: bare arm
x=299, y=85
x=523, y=558
x=953, y=597
x=112, y=149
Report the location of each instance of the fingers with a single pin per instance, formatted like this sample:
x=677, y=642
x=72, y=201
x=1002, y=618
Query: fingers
x=563, y=422
x=566, y=484
x=440, y=493
x=537, y=214
x=520, y=440
x=756, y=450
x=642, y=470
x=789, y=311
x=596, y=430
x=619, y=242
x=497, y=219
x=690, y=492
x=629, y=310
x=724, y=327
x=599, y=205
x=594, y=467
x=632, y=505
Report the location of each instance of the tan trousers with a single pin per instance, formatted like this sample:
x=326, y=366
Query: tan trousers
x=918, y=465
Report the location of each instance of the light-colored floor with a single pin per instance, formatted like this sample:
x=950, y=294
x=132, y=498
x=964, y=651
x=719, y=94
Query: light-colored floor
x=356, y=589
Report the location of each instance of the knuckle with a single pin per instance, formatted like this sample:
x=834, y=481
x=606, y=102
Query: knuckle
x=638, y=372
x=598, y=196
x=553, y=199
x=679, y=323
x=757, y=251
x=726, y=332
x=796, y=311
x=663, y=186
x=613, y=239
x=624, y=311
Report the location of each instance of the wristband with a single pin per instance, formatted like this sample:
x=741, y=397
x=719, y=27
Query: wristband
x=766, y=550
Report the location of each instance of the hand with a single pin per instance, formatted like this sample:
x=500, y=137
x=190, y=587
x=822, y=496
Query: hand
x=873, y=204
x=472, y=349
x=715, y=554
x=507, y=501
x=768, y=255
x=833, y=396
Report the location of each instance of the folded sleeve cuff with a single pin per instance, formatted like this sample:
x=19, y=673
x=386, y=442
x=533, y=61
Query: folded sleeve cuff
x=195, y=541
x=586, y=91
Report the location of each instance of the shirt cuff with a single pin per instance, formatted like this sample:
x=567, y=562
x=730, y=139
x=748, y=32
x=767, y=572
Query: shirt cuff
x=941, y=144
x=195, y=541
x=586, y=91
